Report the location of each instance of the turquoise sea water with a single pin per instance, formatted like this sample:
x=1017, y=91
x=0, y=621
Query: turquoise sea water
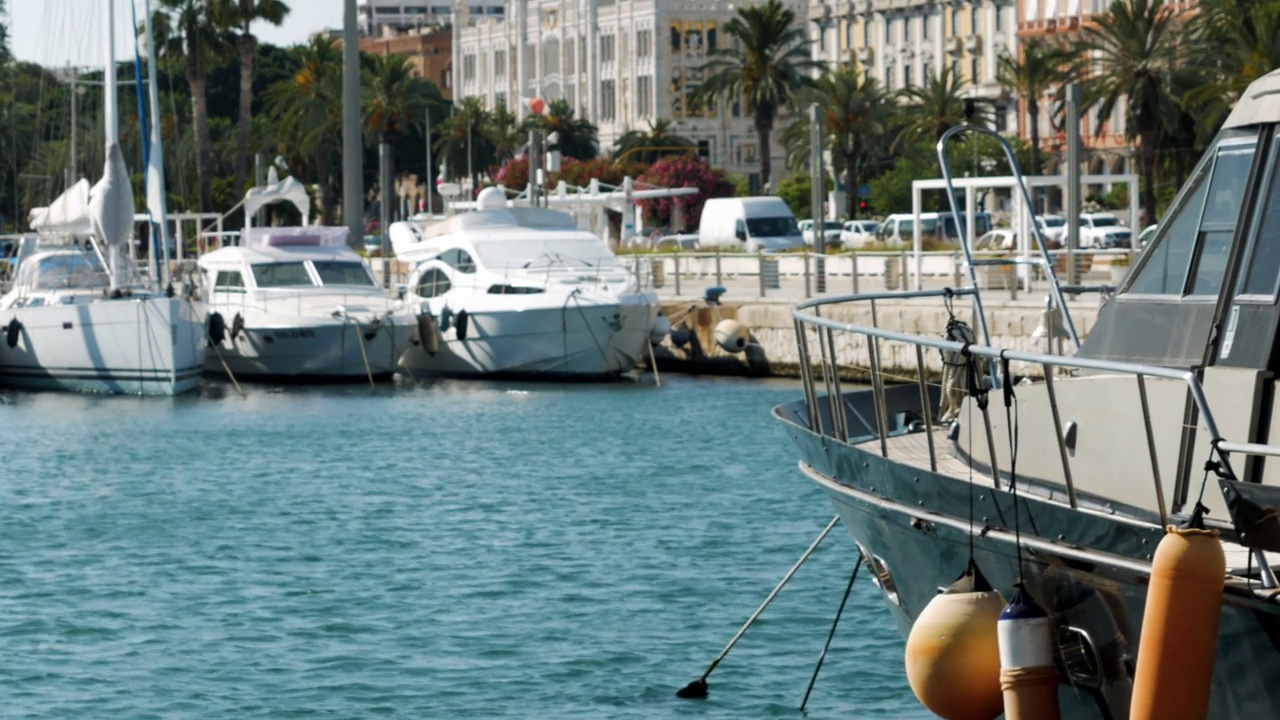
x=446, y=551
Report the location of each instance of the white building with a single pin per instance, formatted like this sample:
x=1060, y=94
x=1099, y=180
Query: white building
x=619, y=63
x=901, y=42
x=394, y=16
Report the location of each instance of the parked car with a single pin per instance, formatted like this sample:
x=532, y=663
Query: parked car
x=830, y=232
x=1146, y=236
x=1053, y=228
x=857, y=233
x=1098, y=229
x=671, y=243
x=999, y=239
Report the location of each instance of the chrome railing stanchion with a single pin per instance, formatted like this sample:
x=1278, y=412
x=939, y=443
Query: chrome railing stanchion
x=1151, y=449
x=926, y=409
x=806, y=375
x=840, y=419
x=1057, y=431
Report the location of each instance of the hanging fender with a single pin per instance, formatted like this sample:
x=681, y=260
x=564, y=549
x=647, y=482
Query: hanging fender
x=12, y=332
x=427, y=333
x=461, y=325
x=217, y=328
x=237, y=326
x=371, y=329
x=446, y=318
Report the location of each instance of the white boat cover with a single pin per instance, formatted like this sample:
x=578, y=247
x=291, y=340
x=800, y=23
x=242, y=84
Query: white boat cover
x=111, y=202
x=69, y=213
x=291, y=236
x=276, y=190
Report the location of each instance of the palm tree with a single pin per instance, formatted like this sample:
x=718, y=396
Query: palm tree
x=190, y=29
x=856, y=113
x=1040, y=70
x=504, y=133
x=1238, y=42
x=765, y=65
x=394, y=101
x=930, y=110
x=647, y=147
x=578, y=137
x=307, y=112
x=239, y=16
x=1131, y=56
x=464, y=140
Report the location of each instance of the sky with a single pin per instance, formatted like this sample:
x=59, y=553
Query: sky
x=69, y=32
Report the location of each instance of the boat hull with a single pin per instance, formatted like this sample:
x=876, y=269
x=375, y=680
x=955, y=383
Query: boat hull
x=144, y=346
x=575, y=341
x=1089, y=569
x=320, y=352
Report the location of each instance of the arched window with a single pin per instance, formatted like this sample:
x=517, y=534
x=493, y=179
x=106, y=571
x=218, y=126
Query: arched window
x=433, y=283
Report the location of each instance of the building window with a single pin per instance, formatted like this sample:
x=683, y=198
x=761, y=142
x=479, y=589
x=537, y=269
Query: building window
x=500, y=99
x=608, y=101
x=606, y=49
x=955, y=70
x=704, y=149
x=644, y=43
x=924, y=26
x=500, y=64
x=1002, y=118
x=888, y=79
x=973, y=21
x=999, y=11
x=644, y=95
x=888, y=29
x=848, y=33
x=468, y=67
x=866, y=32
x=906, y=75
x=973, y=70
x=955, y=22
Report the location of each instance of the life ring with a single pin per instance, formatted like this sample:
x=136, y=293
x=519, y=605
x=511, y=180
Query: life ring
x=217, y=330
x=12, y=332
x=460, y=327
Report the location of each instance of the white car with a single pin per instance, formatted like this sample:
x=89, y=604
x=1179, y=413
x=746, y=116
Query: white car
x=857, y=233
x=1053, y=228
x=830, y=232
x=1103, y=231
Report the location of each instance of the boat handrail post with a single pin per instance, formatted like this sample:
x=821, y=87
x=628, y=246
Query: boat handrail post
x=926, y=410
x=1057, y=431
x=1151, y=449
x=806, y=373
x=877, y=386
x=839, y=419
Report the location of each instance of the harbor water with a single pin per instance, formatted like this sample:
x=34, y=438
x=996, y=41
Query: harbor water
x=452, y=550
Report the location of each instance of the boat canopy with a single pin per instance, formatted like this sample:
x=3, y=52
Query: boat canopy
x=258, y=238
x=288, y=190
x=63, y=269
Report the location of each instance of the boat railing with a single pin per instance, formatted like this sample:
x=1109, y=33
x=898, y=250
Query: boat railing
x=836, y=340
x=263, y=299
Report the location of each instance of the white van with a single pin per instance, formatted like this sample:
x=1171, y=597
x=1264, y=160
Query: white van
x=748, y=224
x=899, y=228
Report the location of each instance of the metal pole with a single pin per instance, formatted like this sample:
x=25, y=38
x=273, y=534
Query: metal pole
x=352, y=150
x=471, y=183
x=818, y=188
x=384, y=220
x=1072, y=131
x=431, y=179
x=75, y=125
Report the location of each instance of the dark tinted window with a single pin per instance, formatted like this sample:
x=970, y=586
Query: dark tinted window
x=1222, y=209
x=334, y=272
x=1264, y=258
x=433, y=283
x=772, y=226
x=229, y=280
x=1164, y=272
x=459, y=260
x=288, y=274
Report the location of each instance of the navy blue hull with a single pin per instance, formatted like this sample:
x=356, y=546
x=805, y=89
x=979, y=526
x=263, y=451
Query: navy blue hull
x=1089, y=569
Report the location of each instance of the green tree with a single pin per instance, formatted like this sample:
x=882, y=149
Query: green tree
x=646, y=146
x=930, y=110
x=307, y=112
x=578, y=137
x=1031, y=77
x=395, y=101
x=1236, y=42
x=1133, y=53
x=856, y=115
x=467, y=131
x=190, y=30
x=504, y=134
x=766, y=62
x=239, y=17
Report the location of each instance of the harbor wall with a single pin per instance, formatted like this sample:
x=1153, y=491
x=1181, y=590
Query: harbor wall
x=773, y=350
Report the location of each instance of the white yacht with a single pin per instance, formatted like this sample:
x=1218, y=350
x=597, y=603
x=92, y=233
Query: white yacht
x=520, y=291
x=78, y=316
x=298, y=304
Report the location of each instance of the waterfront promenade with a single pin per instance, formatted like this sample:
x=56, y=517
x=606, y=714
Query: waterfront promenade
x=760, y=295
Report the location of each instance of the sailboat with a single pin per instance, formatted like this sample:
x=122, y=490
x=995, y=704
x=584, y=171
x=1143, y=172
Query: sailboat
x=78, y=316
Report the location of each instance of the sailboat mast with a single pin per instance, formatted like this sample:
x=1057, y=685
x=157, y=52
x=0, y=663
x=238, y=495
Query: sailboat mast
x=110, y=108
x=157, y=204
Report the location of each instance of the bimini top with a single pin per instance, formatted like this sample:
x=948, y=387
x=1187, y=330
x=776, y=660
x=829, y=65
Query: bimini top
x=257, y=238
x=1259, y=104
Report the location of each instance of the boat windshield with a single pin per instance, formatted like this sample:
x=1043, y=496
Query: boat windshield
x=572, y=251
x=336, y=272
x=283, y=274
x=65, y=271
x=772, y=226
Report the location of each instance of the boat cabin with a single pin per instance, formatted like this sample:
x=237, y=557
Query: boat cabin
x=1206, y=291
x=286, y=258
